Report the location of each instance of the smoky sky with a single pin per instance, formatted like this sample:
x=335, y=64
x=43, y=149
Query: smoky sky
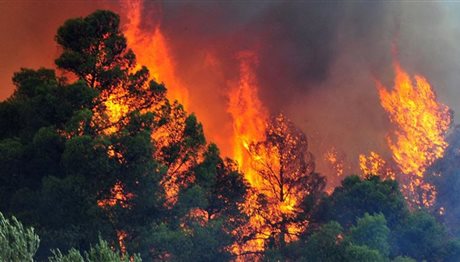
x=318, y=60
x=295, y=41
x=302, y=49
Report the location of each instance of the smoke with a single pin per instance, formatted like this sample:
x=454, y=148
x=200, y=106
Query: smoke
x=318, y=61
x=444, y=174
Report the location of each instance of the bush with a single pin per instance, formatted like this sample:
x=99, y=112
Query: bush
x=16, y=242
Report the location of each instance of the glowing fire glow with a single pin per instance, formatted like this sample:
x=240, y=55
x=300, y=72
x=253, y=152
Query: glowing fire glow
x=250, y=124
x=117, y=196
x=421, y=124
x=420, y=120
x=335, y=161
x=152, y=51
x=121, y=235
x=374, y=164
x=249, y=115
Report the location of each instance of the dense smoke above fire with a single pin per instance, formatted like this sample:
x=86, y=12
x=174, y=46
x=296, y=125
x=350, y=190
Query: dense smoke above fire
x=317, y=63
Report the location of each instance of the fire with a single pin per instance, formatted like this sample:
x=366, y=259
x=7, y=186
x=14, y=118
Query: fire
x=250, y=126
x=117, y=196
x=121, y=235
x=165, y=136
x=152, y=51
x=249, y=123
x=115, y=110
x=249, y=115
x=335, y=161
x=374, y=164
x=421, y=125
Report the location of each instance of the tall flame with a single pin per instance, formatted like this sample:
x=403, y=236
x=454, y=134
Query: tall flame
x=152, y=51
x=421, y=125
x=250, y=122
x=248, y=114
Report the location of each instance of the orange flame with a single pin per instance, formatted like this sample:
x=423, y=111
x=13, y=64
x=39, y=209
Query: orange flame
x=335, y=161
x=248, y=114
x=152, y=51
x=250, y=121
x=374, y=164
x=121, y=235
x=421, y=123
x=117, y=196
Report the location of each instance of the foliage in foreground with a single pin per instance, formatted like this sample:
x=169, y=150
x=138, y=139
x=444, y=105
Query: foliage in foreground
x=16, y=242
x=19, y=244
x=100, y=253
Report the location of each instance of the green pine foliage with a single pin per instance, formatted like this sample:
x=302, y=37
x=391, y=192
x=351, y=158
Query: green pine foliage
x=17, y=243
x=102, y=252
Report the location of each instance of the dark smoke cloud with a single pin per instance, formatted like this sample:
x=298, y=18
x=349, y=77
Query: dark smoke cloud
x=318, y=61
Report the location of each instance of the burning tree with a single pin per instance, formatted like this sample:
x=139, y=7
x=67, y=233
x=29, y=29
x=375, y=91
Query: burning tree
x=106, y=152
x=158, y=148
x=126, y=110
x=273, y=155
x=373, y=164
x=287, y=187
x=421, y=125
x=180, y=143
x=96, y=52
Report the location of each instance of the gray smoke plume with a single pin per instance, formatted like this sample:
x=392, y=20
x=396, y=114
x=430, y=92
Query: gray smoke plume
x=318, y=61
